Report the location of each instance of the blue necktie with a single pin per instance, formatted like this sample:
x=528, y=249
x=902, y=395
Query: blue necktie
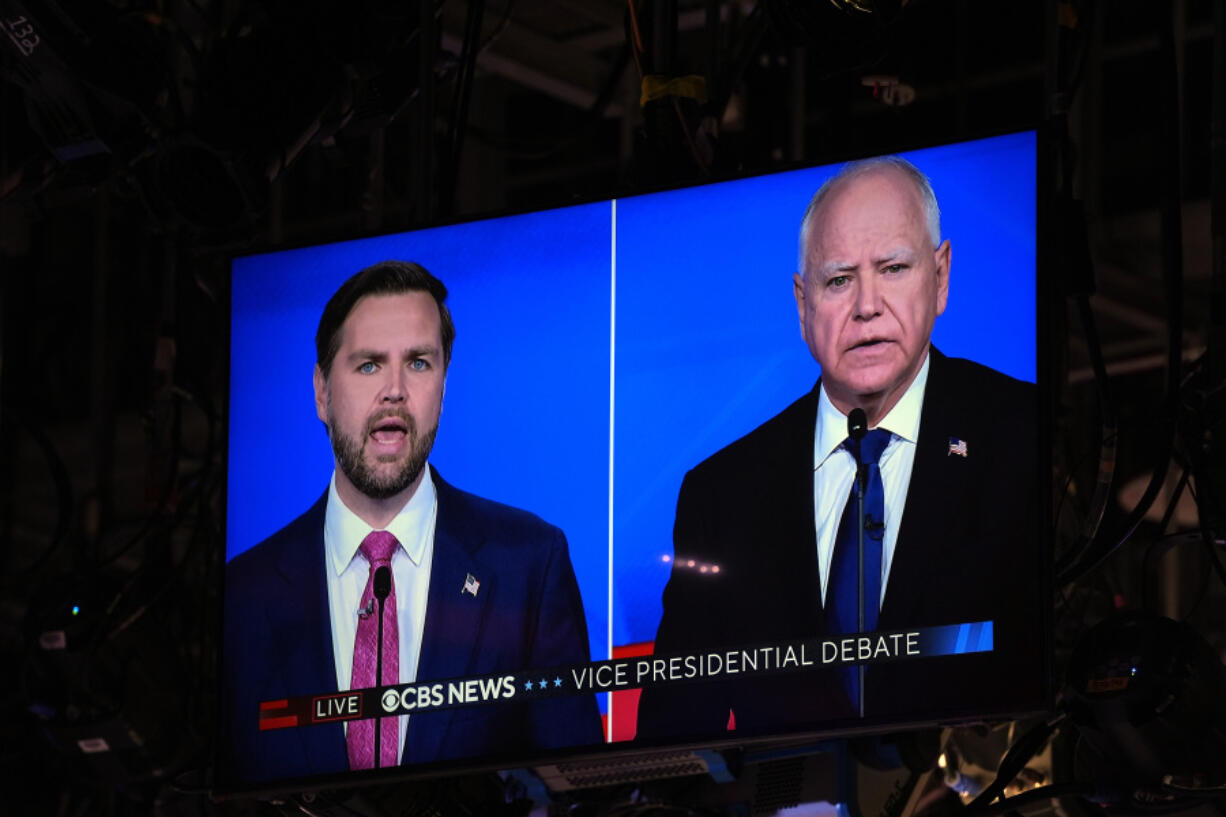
x=843, y=615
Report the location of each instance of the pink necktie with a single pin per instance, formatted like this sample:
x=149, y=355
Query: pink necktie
x=378, y=548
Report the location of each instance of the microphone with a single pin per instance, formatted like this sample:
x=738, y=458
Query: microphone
x=382, y=588
x=383, y=584
x=857, y=427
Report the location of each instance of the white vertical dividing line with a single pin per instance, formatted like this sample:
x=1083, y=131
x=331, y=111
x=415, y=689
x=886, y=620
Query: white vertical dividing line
x=612, y=379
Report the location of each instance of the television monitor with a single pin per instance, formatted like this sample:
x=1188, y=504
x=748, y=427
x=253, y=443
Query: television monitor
x=602, y=352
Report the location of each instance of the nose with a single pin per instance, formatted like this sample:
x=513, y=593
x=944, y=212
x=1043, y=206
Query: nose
x=395, y=390
x=868, y=296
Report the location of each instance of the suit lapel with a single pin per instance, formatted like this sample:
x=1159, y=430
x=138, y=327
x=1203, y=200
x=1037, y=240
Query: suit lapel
x=454, y=617
x=792, y=568
x=300, y=608
x=926, y=524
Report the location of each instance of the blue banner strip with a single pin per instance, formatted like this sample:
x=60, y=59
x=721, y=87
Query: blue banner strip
x=637, y=672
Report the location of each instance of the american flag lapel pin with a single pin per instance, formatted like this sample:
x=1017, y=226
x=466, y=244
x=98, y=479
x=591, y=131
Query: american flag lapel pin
x=957, y=446
x=471, y=585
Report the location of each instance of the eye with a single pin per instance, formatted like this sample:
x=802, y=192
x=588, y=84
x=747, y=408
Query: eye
x=895, y=268
x=368, y=367
x=419, y=365
x=838, y=282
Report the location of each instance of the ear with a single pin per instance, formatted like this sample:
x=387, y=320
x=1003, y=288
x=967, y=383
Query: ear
x=944, y=255
x=321, y=395
x=798, y=292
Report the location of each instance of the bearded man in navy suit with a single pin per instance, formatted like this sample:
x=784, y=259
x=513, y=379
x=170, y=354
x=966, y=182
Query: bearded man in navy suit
x=959, y=473
x=480, y=588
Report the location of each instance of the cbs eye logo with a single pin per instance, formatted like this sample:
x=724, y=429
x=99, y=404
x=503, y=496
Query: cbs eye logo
x=390, y=701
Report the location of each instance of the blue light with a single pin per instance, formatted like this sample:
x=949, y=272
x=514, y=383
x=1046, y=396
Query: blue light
x=75, y=609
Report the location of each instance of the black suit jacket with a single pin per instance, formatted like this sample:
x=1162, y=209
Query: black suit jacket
x=527, y=614
x=967, y=550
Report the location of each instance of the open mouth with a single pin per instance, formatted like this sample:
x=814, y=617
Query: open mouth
x=871, y=343
x=389, y=431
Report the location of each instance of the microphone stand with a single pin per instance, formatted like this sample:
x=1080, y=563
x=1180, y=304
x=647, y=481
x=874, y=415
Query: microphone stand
x=383, y=587
x=857, y=426
x=861, y=489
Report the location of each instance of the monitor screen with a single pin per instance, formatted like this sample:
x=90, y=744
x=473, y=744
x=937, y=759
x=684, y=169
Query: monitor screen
x=623, y=505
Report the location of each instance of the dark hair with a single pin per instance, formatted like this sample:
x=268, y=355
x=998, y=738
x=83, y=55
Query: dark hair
x=384, y=278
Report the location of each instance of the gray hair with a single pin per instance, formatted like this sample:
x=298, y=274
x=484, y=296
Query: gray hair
x=853, y=170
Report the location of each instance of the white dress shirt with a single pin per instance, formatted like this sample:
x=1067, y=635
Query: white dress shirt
x=835, y=470
x=347, y=571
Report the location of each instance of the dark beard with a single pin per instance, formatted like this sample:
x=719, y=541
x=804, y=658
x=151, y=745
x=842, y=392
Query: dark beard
x=350, y=459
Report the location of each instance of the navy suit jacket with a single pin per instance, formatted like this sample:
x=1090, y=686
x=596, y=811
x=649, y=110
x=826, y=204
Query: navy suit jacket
x=527, y=614
x=968, y=550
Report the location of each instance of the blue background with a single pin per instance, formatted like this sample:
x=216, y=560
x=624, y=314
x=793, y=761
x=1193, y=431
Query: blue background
x=708, y=338
x=707, y=347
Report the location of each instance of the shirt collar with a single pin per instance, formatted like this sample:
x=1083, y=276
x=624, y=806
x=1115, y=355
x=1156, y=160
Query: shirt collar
x=344, y=530
x=902, y=421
